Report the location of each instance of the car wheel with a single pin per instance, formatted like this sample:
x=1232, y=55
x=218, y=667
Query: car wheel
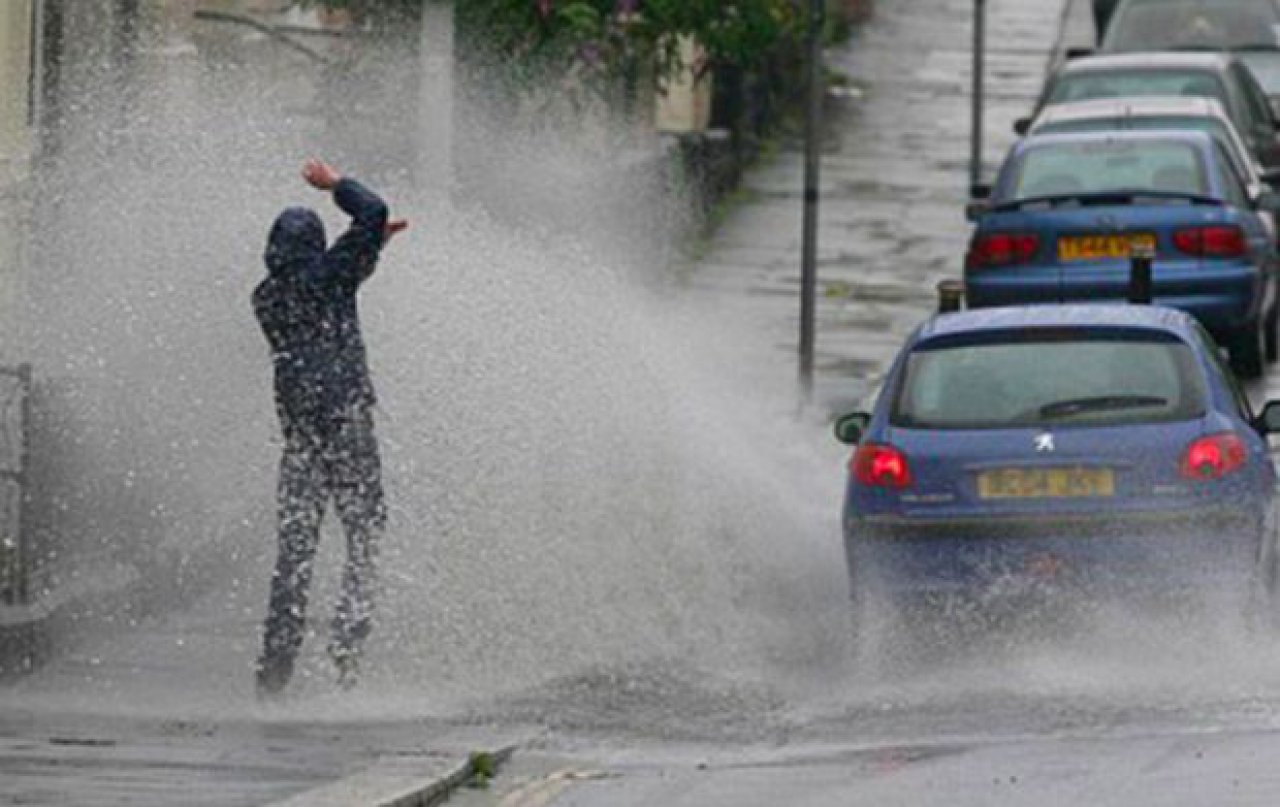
x=1261, y=618
x=1264, y=601
x=1245, y=348
x=867, y=627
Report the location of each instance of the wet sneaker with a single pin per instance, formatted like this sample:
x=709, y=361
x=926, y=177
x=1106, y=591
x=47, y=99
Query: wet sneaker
x=271, y=678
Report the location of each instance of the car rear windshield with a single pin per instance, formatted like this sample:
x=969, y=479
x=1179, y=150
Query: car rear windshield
x=1216, y=127
x=1087, y=85
x=1173, y=24
x=1098, y=166
x=1050, y=379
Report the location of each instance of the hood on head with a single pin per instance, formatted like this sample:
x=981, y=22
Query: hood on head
x=297, y=237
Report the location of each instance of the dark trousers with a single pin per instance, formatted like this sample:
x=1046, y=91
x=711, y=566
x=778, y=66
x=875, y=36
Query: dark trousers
x=334, y=458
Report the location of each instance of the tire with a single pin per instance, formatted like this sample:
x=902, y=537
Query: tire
x=866, y=622
x=1263, y=605
x=1246, y=350
x=1261, y=618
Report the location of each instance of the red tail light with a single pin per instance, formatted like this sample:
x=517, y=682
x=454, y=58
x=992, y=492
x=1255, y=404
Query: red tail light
x=1218, y=241
x=881, y=466
x=1001, y=249
x=1215, y=456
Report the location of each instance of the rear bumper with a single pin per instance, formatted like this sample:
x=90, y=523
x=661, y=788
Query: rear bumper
x=1149, y=551
x=1224, y=298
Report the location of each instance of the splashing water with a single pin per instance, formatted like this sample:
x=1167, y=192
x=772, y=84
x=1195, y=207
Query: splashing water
x=578, y=473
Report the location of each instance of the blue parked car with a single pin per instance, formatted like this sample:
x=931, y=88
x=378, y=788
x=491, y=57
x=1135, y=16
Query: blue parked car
x=1100, y=447
x=1067, y=209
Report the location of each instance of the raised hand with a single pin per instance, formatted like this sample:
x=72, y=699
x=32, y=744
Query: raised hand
x=320, y=174
x=393, y=226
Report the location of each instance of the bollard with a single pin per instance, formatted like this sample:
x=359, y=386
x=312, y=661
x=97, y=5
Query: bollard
x=1141, y=259
x=950, y=295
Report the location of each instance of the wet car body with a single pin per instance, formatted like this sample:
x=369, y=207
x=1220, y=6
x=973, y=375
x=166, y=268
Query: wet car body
x=1116, y=496
x=1067, y=209
x=1217, y=74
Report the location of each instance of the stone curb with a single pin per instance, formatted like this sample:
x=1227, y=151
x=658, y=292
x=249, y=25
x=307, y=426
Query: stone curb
x=27, y=631
x=400, y=782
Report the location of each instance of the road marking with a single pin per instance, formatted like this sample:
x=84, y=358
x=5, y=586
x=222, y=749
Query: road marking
x=541, y=792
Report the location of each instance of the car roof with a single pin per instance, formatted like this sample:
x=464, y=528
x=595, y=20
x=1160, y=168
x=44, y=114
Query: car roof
x=1195, y=59
x=1193, y=137
x=1148, y=317
x=1133, y=106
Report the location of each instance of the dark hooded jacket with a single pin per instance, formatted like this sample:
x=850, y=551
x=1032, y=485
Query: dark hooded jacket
x=307, y=306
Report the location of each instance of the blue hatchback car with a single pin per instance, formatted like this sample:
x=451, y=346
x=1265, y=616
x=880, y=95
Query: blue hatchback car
x=1095, y=446
x=1067, y=210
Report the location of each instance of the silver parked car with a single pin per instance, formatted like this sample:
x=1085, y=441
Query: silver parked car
x=1155, y=112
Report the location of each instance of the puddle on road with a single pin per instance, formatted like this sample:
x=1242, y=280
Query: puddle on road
x=1084, y=670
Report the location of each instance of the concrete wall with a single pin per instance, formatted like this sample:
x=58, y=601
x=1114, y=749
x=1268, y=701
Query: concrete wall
x=16, y=40
x=684, y=105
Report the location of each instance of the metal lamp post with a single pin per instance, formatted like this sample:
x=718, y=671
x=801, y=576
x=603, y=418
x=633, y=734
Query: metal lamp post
x=979, y=48
x=812, y=154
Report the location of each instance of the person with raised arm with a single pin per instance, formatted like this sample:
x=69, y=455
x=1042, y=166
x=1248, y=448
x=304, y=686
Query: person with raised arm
x=324, y=398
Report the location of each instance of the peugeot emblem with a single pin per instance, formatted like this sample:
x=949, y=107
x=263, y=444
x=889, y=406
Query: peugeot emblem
x=1044, y=442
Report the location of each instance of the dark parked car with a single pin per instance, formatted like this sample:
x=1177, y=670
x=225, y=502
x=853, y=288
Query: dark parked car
x=1221, y=76
x=1151, y=25
x=1067, y=209
x=1245, y=27
x=1104, y=448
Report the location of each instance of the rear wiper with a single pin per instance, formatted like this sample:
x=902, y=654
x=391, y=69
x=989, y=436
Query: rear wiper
x=1115, y=197
x=1074, y=406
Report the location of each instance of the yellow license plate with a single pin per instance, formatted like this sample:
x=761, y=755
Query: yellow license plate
x=1095, y=247
x=1046, y=483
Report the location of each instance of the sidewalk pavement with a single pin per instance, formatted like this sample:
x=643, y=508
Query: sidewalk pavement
x=894, y=180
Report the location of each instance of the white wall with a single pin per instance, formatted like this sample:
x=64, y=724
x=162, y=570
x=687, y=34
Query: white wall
x=16, y=20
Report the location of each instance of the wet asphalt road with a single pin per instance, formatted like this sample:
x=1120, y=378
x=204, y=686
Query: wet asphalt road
x=1145, y=708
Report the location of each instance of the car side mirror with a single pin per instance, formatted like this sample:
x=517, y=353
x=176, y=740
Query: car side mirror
x=1269, y=421
x=1021, y=126
x=850, y=428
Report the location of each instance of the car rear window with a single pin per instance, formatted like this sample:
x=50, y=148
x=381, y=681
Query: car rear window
x=1055, y=169
x=1060, y=379
x=1173, y=24
x=1087, y=85
x=1196, y=123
